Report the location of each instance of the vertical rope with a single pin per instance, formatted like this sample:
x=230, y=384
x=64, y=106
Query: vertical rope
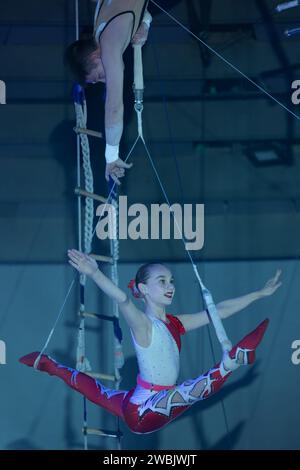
x=82, y=362
x=81, y=331
x=118, y=351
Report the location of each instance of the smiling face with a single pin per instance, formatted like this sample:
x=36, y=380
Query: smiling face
x=159, y=287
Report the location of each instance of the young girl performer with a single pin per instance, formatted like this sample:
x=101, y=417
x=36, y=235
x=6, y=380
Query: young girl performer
x=156, y=400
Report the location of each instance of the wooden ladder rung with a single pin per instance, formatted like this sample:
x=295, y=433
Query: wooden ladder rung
x=82, y=192
x=102, y=432
x=104, y=259
x=99, y=375
x=97, y=316
x=82, y=130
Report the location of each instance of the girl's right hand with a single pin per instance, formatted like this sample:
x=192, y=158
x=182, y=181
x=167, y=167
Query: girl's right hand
x=84, y=264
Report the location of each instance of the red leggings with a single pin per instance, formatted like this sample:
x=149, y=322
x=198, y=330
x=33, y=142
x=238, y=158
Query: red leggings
x=162, y=407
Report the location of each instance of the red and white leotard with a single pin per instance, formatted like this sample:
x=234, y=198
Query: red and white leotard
x=159, y=362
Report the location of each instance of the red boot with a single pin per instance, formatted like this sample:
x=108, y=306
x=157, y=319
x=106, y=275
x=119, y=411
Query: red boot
x=46, y=364
x=243, y=353
x=92, y=389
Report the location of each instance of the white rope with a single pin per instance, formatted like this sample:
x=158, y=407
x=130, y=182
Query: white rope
x=213, y=314
x=138, y=68
x=114, y=248
x=82, y=362
x=81, y=121
x=207, y=297
x=80, y=339
x=36, y=362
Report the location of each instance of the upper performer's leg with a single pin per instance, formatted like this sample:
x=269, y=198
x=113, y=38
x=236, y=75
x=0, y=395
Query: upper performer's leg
x=92, y=389
x=166, y=405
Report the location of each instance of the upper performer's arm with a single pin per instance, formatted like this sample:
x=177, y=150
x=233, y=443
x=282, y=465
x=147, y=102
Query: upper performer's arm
x=113, y=42
x=114, y=108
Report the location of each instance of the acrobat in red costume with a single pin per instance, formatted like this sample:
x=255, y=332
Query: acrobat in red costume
x=156, y=400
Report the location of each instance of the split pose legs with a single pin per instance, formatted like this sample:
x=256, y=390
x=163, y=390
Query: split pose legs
x=157, y=399
x=161, y=407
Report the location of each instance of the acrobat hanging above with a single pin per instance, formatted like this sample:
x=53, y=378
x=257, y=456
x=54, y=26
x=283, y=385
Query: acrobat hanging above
x=99, y=58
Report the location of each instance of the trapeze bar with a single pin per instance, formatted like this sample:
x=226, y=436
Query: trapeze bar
x=81, y=130
x=287, y=5
x=98, y=375
x=82, y=192
x=101, y=432
x=104, y=259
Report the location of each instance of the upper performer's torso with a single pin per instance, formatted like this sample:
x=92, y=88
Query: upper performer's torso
x=108, y=10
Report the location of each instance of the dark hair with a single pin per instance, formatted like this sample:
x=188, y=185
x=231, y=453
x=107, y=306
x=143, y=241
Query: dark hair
x=77, y=57
x=141, y=276
x=144, y=273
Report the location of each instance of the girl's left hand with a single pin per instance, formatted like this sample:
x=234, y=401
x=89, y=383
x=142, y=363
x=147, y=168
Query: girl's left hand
x=272, y=285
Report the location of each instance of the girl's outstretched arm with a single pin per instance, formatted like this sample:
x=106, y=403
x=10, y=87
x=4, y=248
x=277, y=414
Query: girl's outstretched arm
x=229, y=307
x=85, y=264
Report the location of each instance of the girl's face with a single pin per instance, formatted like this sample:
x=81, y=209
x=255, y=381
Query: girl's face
x=159, y=288
x=96, y=71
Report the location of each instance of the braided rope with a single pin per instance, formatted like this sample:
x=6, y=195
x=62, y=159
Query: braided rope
x=114, y=248
x=82, y=362
x=81, y=120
